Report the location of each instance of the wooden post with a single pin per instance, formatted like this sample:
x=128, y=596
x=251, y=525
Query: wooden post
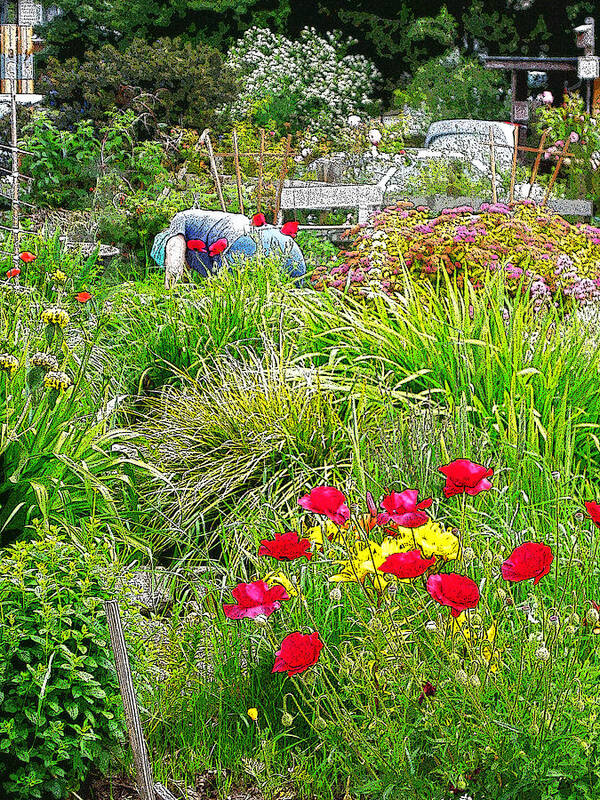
x=147, y=789
x=261, y=158
x=538, y=158
x=493, y=166
x=513, y=169
x=143, y=771
x=284, y=169
x=561, y=158
x=14, y=144
x=238, y=175
x=215, y=171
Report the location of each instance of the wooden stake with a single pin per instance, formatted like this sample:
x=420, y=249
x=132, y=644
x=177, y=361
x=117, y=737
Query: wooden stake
x=147, y=789
x=238, y=174
x=16, y=231
x=261, y=158
x=513, y=170
x=561, y=158
x=215, y=171
x=538, y=158
x=143, y=771
x=493, y=166
x=284, y=169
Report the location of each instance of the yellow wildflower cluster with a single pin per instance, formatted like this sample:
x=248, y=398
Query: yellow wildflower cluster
x=59, y=276
x=57, y=380
x=367, y=556
x=366, y=560
x=8, y=363
x=55, y=316
x=45, y=360
x=432, y=540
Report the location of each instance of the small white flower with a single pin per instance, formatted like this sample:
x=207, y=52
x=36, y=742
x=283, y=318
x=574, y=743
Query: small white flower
x=542, y=653
x=354, y=120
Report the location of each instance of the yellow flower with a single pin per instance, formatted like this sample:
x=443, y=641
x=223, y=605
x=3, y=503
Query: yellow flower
x=433, y=540
x=487, y=649
x=273, y=578
x=253, y=714
x=8, y=363
x=366, y=561
x=59, y=276
x=57, y=380
x=55, y=316
x=315, y=534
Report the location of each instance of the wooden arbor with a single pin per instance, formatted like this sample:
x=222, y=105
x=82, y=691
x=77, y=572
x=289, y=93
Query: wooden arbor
x=561, y=71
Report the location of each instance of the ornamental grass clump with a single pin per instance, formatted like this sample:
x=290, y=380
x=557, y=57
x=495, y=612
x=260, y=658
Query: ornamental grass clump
x=537, y=252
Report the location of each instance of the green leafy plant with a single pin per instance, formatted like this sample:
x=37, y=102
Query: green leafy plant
x=455, y=87
x=59, y=704
x=571, y=123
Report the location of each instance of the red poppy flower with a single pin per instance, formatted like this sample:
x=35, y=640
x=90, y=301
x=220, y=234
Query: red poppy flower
x=290, y=228
x=429, y=690
x=329, y=502
x=285, y=547
x=27, y=257
x=196, y=244
x=456, y=591
x=407, y=565
x=593, y=510
x=254, y=599
x=258, y=220
x=217, y=247
x=529, y=560
x=463, y=475
x=298, y=652
x=83, y=297
x=403, y=509
x=13, y=273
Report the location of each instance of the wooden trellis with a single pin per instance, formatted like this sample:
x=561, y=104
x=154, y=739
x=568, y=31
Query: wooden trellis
x=260, y=156
x=539, y=151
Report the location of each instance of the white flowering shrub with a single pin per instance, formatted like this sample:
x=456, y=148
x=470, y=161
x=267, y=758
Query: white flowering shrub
x=311, y=82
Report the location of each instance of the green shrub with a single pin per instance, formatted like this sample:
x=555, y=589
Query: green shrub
x=455, y=87
x=168, y=81
x=59, y=703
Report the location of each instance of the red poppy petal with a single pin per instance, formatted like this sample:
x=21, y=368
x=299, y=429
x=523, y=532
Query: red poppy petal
x=290, y=229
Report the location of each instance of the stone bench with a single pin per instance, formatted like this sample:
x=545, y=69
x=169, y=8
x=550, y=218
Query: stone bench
x=315, y=195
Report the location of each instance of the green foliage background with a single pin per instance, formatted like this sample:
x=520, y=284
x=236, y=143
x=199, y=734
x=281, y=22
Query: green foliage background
x=396, y=35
